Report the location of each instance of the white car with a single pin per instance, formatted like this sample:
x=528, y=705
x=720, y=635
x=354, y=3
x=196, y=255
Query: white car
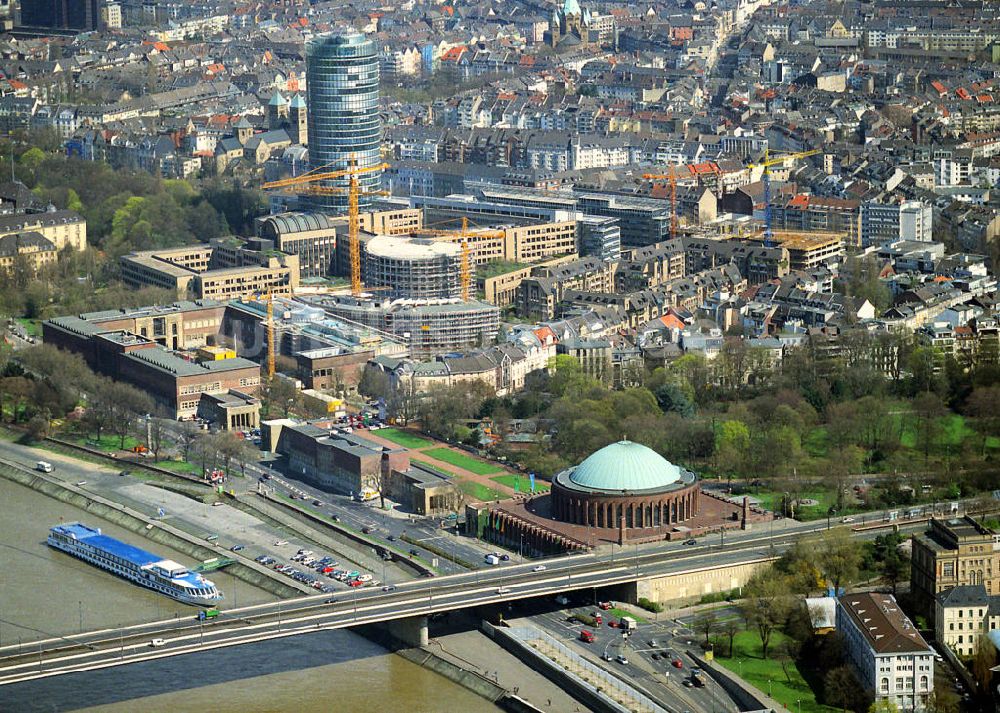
x=622, y=660
x=156, y=643
x=539, y=568
x=279, y=543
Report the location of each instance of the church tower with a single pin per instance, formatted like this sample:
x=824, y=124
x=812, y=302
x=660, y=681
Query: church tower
x=277, y=111
x=298, y=128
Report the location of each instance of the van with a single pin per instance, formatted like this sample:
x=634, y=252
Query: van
x=43, y=467
x=492, y=559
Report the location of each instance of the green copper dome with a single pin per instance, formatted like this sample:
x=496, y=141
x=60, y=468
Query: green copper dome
x=625, y=466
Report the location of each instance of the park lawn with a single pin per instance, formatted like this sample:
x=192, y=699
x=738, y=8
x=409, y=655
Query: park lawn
x=814, y=442
x=108, y=443
x=523, y=483
x=480, y=492
x=404, y=438
x=757, y=670
x=463, y=461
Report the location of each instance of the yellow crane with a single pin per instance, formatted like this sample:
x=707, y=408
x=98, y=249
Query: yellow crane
x=465, y=273
x=671, y=179
x=311, y=182
x=766, y=165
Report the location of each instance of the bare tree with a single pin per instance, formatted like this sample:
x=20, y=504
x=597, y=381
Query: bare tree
x=157, y=433
x=706, y=623
x=245, y=453
x=186, y=437
x=730, y=627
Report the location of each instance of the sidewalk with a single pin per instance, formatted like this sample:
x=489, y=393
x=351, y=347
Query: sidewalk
x=474, y=651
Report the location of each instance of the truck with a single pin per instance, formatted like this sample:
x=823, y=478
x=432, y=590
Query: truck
x=587, y=636
x=492, y=559
x=208, y=614
x=629, y=624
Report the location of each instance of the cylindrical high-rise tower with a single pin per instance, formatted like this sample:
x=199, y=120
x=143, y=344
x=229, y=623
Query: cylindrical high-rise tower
x=344, y=123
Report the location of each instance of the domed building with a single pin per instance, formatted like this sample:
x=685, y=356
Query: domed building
x=625, y=487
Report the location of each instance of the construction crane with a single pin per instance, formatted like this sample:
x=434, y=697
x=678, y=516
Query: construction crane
x=465, y=272
x=671, y=179
x=766, y=165
x=311, y=183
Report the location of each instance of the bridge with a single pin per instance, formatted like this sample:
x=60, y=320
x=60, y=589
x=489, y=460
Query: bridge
x=403, y=608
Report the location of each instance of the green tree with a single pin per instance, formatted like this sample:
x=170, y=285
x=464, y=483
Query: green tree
x=839, y=557
x=732, y=446
x=765, y=606
x=671, y=398
x=883, y=705
x=928, y=409
x=841, y=688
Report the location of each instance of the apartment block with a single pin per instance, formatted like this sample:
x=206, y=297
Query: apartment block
x=886, y=223
x=963, y=615
x=807, y=213
x=953, y=553
x=62, y=228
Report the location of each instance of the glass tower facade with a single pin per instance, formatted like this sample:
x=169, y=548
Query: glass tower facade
x=344, y=122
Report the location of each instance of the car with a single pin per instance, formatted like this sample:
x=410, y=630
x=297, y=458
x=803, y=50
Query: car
x=388, y=588
x=335, y=518
x=355, y=583
x=331, y=600
x=156, y=643
x=317, y=503
x=847, y=519
x=621, y=659
x=538, y=568
x=280, y=543
x=587, y=636
x=692, y=541
x=266, y=476
x=687, y=682
x=655, y=657
x=677, y=663
x=124, y=473
x=561, y=600
x=606, y=656
x=211, y=538
x=414, y=553
x=366, y=530
x=652, y=643
x=391, y=538
x=505, y=558
x=236, y=548
x=605, y=605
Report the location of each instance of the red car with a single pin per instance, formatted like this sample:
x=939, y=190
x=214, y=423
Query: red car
x=355, y=583
x=587, y=636
x=677, y=663
x=604, y=605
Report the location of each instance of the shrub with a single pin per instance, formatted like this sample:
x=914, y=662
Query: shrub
x=646, y=604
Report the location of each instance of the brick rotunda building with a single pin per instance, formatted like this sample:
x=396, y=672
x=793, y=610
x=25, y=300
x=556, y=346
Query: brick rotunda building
x=625, y=487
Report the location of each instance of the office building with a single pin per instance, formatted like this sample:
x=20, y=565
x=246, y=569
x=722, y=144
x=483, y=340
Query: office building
x=641, y=221
x=344, y=125
x=599, y=237
x=892, y=661
x=84, y=15
x=953, y=553
x=886, y=223
x=962, y=615
x=413, y=268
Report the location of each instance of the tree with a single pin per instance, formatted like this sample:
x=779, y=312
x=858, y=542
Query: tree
x=277, y=395
x=928, y=408
x=839, y=557
x=187, y=434
x=245, y=453
x=942, y=700
x=982, y=406
x=732, y=446
x=765, y=606
x=157, y=433
x=671, y=398
x=883, y=705
x=706, y=624
x=984, y=659
x=841, y=688
x=38, y=427
x=730, y=627
x=126, y=404
x=229, y=448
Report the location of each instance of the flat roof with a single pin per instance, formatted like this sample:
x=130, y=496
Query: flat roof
x=166, y=361
x=794, y=240
x=404, y=248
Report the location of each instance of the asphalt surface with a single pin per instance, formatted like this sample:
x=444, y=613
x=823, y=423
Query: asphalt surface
x=658, y=678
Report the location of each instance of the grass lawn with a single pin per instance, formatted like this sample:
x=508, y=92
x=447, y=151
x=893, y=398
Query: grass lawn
x=481, y=492
x=814, y=442
x=619, y=613
x=179, y=466
x=523, y=483
x=107, y=443
x=31, y=326
x=758, y=671
x=404, y=438
x=463, y=461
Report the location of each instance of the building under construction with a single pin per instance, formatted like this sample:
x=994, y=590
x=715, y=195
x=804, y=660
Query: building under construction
x=412, y=268
x=427, y=326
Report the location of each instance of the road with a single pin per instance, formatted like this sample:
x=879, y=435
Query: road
x=657, y=677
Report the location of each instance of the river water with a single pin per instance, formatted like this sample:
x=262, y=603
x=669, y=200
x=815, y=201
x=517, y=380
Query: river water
x=46, y=593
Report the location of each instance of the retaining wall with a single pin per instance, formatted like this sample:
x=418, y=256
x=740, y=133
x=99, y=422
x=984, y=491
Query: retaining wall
x=160, y=532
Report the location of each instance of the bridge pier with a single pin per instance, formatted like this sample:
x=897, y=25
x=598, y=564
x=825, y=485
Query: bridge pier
x=411, y=631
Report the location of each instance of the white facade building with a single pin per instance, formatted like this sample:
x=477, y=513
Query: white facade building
x=891, y=659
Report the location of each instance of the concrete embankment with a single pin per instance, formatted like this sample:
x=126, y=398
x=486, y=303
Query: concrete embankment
x=154, y=530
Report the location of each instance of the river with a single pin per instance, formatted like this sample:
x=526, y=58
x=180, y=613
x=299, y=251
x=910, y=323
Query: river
x=47, y=593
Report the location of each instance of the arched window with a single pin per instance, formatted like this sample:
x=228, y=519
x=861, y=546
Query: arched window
x=883, y=685
x=923, y=683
